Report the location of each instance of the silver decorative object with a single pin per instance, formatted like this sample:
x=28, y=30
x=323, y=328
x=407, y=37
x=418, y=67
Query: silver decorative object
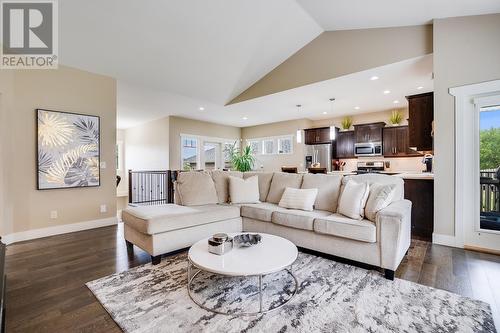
x=246, y=240
x=220, y=244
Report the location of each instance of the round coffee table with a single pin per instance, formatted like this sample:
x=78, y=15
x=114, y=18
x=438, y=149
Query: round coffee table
x=271, y=255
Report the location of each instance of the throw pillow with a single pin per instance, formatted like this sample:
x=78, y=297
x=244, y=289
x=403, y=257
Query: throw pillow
x=196, y=188
x=380, y=197
x=295, y=198
x=244, y=191
x=221, y=181
x=353, y=199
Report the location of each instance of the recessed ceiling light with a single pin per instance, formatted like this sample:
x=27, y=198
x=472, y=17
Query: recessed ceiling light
x=387, y=92
x=201, y=108
x=420, y=88
x=374, y=77
x=396, y=102
x=245, y=118
x=324, y=112
x=357, y=108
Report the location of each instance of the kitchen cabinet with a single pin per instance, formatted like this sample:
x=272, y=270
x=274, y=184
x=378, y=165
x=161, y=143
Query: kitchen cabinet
x=421, y=115
x=395, y=142
x=368, y=132
x=344, y=143
x=421, y=193
x=314, y=136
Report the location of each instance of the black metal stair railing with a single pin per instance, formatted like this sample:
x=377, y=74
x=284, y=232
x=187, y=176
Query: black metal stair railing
x=150, y=187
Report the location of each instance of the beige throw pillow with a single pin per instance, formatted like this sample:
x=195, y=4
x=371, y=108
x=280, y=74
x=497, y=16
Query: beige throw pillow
x=221, y=181
x=380, y=197
x=295, y=198
x=244, y=191
x=281, y=181
x=196, y=188
x=353, y=199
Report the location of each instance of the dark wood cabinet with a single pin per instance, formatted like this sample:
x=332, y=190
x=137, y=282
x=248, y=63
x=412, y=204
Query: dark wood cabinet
x=345, y=144
x=368, y=132
x=421, y=115
x=421, y=193
x=396, y=143
x=314, y=136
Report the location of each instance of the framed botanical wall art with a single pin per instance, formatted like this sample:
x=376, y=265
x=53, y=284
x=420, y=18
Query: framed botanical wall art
x=68, y=150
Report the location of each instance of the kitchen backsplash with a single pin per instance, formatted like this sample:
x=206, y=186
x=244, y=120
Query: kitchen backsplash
x=396, y=164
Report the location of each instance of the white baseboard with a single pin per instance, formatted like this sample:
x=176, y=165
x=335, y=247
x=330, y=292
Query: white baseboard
x=57, y=230
x=444, y=240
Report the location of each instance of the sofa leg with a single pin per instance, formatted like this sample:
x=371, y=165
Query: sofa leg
x=389, y=274
x=130, y=247
x=155, y=260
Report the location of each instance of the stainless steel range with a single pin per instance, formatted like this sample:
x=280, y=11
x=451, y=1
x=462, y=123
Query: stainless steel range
x=370, y=167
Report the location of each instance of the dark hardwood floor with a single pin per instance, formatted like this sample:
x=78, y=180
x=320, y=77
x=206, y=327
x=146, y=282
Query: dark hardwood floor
x=46, y=278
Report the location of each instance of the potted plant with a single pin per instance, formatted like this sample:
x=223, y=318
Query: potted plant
x=396, y=118
x=346, y=123
x=241, y=160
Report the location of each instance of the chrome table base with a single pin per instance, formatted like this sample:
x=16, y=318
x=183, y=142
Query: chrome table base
x=192, y=276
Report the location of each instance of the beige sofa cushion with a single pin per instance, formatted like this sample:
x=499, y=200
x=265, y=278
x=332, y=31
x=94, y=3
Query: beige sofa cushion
x=161, y=218
x=262, y=211
x=374, y=178
x=196, y=188
x=328, y=190
x=298, y=219
x=281, y=181
x=341, y=226
x=264, y=182
x=221, y=181
x=380, y=197
x=296, y=198
x=244, y=190
x=353, y=200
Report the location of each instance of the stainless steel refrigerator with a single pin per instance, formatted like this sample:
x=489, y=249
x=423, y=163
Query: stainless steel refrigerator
x=319, y=154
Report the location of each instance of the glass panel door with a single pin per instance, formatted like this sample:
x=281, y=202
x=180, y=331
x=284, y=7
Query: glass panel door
x=189, y=153
x=489, y=166
x=211, y=155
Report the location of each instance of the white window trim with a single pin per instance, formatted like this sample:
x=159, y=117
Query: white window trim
x=276, y=139
x=200, y=143
x=121, y=160
x=468, y=101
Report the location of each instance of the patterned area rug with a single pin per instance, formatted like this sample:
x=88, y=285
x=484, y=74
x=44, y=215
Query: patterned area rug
x=331, y=297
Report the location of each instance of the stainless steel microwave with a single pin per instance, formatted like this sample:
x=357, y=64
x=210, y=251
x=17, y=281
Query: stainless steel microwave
x=368, y=149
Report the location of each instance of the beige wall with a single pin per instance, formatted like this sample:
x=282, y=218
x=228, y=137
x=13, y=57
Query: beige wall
x=147, y=146
x=275, y=162
x=65, y=89
x=179, y=125
x=337, y=53
x=466, y=51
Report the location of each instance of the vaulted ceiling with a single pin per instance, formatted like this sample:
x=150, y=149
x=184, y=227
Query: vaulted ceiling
x=198, y=52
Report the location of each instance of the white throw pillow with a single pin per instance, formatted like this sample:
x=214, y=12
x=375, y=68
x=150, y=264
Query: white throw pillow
x=295, y=198
x=244, y=190
x=380, y=197
x=353, y=199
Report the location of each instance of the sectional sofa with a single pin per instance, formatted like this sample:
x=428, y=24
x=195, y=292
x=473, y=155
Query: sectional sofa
x=202, y=208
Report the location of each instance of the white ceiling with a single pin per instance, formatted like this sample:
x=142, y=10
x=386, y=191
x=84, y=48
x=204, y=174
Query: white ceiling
x=360, y=14
x=211, y=50
x=136, y=105
x=170, y=57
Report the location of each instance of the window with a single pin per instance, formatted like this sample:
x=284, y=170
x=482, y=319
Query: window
x=205, y=153
x=285, y=145
x=189, y=153
x=268, y=147
x=272, y=145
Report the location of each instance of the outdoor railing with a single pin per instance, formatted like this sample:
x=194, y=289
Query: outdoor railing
x=490, y=195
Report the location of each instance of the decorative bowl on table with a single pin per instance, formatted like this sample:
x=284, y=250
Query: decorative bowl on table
x=246, y=240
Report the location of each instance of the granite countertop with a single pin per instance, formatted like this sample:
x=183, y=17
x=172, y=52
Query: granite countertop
x=416, y=175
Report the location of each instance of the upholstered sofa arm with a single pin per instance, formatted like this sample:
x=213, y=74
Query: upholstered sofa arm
x=394, y=233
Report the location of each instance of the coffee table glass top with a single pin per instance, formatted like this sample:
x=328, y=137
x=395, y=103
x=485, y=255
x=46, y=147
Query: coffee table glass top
x=273, y=254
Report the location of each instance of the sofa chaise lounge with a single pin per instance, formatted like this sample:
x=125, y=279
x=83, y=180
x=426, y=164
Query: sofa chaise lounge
x=202, y=208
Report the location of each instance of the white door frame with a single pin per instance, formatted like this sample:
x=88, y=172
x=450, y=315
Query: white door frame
x=468, y=100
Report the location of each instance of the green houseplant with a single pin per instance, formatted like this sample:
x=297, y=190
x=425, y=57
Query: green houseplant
x=396, y=118
x=241, y=160
x=346, y=123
